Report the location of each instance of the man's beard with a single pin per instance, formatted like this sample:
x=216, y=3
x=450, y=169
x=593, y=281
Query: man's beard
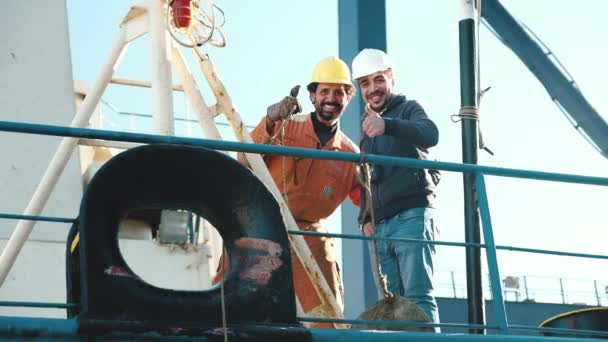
x=382, y=104
x=329, y=116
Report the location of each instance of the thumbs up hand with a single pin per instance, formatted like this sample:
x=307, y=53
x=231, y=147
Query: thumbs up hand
x=373, y=124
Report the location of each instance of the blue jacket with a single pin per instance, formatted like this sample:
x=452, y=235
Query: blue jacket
x=408, y=133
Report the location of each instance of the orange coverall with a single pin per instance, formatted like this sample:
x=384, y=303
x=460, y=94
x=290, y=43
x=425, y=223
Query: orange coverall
x=313, y=189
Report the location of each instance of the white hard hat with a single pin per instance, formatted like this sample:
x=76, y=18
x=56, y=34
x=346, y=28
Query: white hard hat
x=369, y=61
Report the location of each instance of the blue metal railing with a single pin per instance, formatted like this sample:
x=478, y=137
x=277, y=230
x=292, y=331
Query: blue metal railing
x=498, y=304
x=36, y=218
x=479, y=171
x=88, y=133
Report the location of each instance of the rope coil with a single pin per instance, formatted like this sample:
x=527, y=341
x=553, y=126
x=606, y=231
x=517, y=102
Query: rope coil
x=466, y=112
x=472, y=113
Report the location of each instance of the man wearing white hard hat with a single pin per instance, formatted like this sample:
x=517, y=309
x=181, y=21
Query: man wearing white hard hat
x=402, y=198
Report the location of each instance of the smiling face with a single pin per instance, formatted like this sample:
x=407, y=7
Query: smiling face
x=330, y=100
x=377, y=88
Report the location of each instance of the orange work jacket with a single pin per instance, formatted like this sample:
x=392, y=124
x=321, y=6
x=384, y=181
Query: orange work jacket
x=313, y=188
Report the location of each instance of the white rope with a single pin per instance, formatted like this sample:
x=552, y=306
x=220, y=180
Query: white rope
x=281, y=135
x=223, y=301
x=478, y=90
x=477, y=56
x=284, y=173
x=466, y=112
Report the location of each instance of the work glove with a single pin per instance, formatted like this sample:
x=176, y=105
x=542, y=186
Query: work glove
x=287, y=106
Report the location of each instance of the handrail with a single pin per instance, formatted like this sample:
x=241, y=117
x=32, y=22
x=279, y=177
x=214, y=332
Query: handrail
x=479, y=171
x=359, y=237
x=36, y=218
x=38, y=304
x=498, y=304
x=54, y=130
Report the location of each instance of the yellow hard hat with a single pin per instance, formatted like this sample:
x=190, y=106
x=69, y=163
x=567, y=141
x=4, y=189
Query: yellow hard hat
x=331, y=70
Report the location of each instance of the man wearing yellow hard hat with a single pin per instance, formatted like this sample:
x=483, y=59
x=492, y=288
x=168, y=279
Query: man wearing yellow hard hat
x=313, y=188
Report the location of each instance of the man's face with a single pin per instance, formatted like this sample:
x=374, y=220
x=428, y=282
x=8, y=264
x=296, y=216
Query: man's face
x=330, y=100
x=376, y=88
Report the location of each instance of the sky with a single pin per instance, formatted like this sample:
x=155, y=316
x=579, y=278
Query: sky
x=274, y=44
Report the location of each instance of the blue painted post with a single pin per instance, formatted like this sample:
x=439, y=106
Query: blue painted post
x=362, y=24
x=498, y=303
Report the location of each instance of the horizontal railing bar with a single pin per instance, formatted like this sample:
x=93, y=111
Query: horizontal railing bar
x=295, y=152
x=36, y=218
x=396, y=323
x=446, y=243
x=351, y=321
x=553, y=252
x=352, y=236
x=58, y=328
x=560, y=330
x=363, y=237
x=38, y=304
x=340, y=335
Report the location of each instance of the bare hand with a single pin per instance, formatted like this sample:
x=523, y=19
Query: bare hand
x=373, y=124
x=369, y=229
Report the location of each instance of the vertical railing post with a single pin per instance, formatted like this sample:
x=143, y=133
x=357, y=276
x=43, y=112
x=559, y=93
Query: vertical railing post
x=488, y=236
x=597, y=294
x=561, y=290
x=454, y=284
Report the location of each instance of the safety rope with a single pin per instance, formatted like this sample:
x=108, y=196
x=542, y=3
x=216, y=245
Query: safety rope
x=471, y=113
x=281, y=135
x=466, y=112
x=364, y=177
x=477, y=53
x=283, y=161
x=223, y=303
